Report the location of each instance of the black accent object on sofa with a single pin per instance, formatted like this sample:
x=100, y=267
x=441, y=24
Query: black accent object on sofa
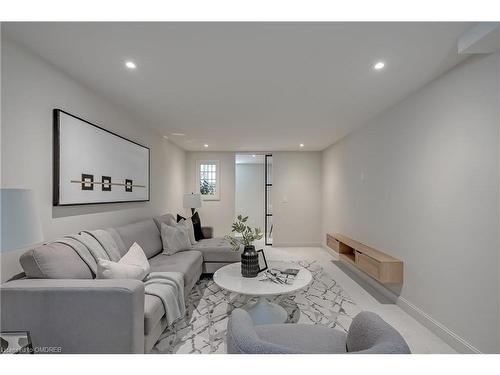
x=198, y=234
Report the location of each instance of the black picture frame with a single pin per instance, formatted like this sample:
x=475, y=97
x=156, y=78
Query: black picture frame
x=106, y=180
x=262, y=259
x=87, y=179
x=56, y=112
x=128, y=185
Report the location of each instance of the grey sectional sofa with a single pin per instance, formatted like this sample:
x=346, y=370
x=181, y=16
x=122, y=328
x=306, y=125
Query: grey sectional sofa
x=67, y=310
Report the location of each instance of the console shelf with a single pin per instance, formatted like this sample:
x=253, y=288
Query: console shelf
x=381, y=266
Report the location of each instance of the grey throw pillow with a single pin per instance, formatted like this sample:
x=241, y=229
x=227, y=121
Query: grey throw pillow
x=189, y=227
x=174, y=239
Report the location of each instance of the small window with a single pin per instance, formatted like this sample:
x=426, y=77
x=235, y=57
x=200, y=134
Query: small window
x=208, y=179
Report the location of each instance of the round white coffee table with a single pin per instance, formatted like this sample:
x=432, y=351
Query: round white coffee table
x=262, y=312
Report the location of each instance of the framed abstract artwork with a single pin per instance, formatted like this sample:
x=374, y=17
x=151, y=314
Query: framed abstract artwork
x=93, y=165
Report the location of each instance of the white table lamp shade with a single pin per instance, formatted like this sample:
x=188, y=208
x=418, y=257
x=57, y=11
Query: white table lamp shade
x=20, y=222
x=192, y=200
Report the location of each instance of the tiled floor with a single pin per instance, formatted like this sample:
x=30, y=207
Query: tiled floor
x=419, y=338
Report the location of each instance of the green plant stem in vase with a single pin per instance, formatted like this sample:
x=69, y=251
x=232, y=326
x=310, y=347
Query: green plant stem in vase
x=248, y=234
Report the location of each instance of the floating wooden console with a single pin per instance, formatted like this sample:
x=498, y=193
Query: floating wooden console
x=380, y=266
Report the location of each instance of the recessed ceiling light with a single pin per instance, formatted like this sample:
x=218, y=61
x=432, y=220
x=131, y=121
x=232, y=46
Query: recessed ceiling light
x=379, y=65
x=301, y=145
x=205, y=145
x=178, y=134
x=253, y=156
x=130, y=64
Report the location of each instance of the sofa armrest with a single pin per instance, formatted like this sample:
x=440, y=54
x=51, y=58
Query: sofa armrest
x=208, y=232
x=76, y=316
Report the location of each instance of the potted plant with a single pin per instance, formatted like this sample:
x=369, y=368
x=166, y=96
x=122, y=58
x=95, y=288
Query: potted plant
x=249, y=257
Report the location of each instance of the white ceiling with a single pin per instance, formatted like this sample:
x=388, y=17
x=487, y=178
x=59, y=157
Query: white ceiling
x=248, y=86
x=249, y=159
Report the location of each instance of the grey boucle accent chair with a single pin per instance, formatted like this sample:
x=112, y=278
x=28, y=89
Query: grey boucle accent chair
x=368, y=334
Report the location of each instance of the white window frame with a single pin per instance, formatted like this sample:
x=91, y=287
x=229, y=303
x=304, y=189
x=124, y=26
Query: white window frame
x=216, y=195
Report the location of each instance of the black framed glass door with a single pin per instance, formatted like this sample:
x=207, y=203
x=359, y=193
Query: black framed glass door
x=268, y=201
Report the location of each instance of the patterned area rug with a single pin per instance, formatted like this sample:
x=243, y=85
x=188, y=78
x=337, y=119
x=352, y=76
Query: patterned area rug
x=203, y=330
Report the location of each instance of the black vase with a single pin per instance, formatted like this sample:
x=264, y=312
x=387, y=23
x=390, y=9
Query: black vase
x=249, y=262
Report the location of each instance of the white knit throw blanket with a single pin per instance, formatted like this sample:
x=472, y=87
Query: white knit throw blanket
x=169, y=288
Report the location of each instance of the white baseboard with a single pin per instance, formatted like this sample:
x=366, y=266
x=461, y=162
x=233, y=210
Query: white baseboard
x=297, y=244
x=451, y=338
x=330, y=251
x=447, y=335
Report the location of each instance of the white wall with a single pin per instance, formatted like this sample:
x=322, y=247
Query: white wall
x=498, y=185
x=218, y=214
x=31, y=88
x=421, y=182
x=296, y=198
x=250, y=193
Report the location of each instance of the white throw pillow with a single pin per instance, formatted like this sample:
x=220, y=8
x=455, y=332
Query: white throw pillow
x=133, y=265
x=135, y=256
x=107, y=269
x=174, y=239
x=188, y=223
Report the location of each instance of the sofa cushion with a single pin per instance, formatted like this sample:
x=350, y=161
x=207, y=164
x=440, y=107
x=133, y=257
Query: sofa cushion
x=305, y=338
x=145, y=233
x=54, y=261
x=187, y=262
x=153, y=312
x=174, y=238
x=118, y=240
x=217, y=250
x=168, y=219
